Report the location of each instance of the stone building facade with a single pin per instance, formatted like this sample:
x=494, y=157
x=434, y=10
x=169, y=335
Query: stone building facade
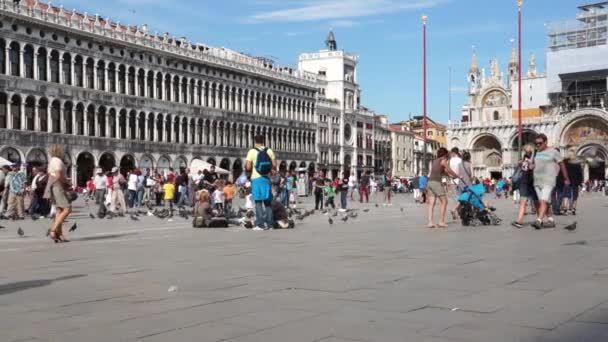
x=121, y=96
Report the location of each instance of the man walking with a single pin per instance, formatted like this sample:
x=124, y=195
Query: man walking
x=261, y=162
x=364, y=187
x=547, y=165
x=118, y=197
x=16, y=192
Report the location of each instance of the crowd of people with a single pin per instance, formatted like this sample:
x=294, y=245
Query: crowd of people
x=543, y=181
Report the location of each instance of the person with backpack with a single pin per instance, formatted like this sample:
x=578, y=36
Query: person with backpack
x=261, y=162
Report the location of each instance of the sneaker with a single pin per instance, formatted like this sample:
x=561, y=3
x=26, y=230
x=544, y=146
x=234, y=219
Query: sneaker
x=573, y=212
x=549, y=224
x=538, y=225
x=517, y=225
x=258, y=229
x=283, y=224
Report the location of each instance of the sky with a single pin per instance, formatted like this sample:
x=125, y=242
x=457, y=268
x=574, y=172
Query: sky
x=385, y=34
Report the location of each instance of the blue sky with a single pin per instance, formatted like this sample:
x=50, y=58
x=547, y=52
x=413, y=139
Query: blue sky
x=384, y=33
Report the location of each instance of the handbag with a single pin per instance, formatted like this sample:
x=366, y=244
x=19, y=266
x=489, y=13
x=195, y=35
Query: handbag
x=516, y=177
x=71, y=195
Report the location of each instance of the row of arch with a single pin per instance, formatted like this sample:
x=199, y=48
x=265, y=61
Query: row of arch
x=86, y=162
x=51, y=65
x=30, y=113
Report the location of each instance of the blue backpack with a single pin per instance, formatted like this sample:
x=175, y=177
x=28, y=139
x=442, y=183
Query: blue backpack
x=263, y=163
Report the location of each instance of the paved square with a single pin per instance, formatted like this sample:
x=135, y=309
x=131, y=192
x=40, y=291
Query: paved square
x=379, y=277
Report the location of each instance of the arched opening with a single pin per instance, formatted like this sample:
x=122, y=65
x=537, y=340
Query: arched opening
x=150, y=84
x=36, y=157
x=89, y=73
x=78, y=72
x=176, y=89
x=131, y=124
x=237, y=168
x=112, y=77
x=2, y=56
x=595, y=157
x=85, y=167
x=42, y=66
x=311, y=169
x=91, y=120
x=28, y=61
x=67, y=116
x=13, y=58
x=122, y=79
x=211, y=161
x=16, y=112
x=159, y=86
x=66, y=68
x=146, y=164
x=127, y=164
x=487, y=153
x=11, y=154
x=303, y=164
x=151, y=124
x=30, y=105
x=107, y=162
x=159, y=128
x=141, y=75
x=163, y=165
x=180, y=163
x=54, y=67
x=3, y=110
x=55, y=117
x=225, y=164
x=101, y=71
x=527, y=138
x=79, y=119
x=283, y=166
x=131, y=81
x=293, y=166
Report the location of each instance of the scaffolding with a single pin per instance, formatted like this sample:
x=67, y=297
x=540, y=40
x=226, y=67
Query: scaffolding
x=589, y=29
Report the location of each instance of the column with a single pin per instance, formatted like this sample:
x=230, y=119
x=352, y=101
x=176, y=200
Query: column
x=128, y=124
x=7, y=63
x=48, y=66
x=21, y=64
x=22, y=115
x=146, y=92
x=74, y=124
x=117, y=125
x=136, y=81
x=85, y=122
x=162, y=89
x=95, y=82
x=36, y=64
x=116, y=77
x=61, y=120
x=36, y=117
x=106, y=86
x=9, y=109
x=187, y=100
x=107, y=121
x=136, y=137
x=49, y=121
x=146, y=128
x=95, y=118
x=73, y=62
x=154, y=130
x=154, y=91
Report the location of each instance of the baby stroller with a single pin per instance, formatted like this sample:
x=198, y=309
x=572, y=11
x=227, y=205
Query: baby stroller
x=472, y=210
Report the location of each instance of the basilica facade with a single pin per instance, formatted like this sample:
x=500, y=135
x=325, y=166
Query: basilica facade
x=568, y=102
x=118, y=95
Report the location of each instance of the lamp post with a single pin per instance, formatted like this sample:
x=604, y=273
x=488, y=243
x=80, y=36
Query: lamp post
x=519, y=123
x=424, y=123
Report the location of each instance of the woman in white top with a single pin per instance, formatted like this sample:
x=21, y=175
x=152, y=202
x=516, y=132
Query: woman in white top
x=56, y=192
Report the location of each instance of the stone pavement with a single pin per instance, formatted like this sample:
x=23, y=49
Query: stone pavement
x=380, y=277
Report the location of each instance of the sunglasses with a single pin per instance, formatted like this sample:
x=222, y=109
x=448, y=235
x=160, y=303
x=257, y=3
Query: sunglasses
x=538, y=143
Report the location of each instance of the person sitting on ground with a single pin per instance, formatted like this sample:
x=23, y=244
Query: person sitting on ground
x=279, y=214
x=202, y=210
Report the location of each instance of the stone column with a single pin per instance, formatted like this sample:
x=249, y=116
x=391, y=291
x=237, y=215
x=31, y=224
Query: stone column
x=146, y=92
x=7, y=63
x=187, y=99
x=22, y=115
x=21, y=63
x=36, y=117
x=60, y=68
x=49, y=122
x=136, y=137
x=116, y=78
x=95, y=82
x=61, y=119
x=136, y=83
x=48, y=66
x=117, y=125
x=107, y=121
x=96, y=120
x=154, y=79
x=35, y=64
x=128, y=124
x=72, y=70
x=74, y=125
x=146, y=128
x=106, y=85
x=9, y=114
x=162, y=89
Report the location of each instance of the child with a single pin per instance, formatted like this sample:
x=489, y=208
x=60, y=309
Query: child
x=279, y=213
x=169, y=191
x=201, y=211
x=218, y=196
x=330, y=194
x=229, y=191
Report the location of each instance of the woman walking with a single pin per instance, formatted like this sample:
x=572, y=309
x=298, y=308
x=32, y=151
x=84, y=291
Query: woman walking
x=56, y=192
x=436, y=190
x=526, y=185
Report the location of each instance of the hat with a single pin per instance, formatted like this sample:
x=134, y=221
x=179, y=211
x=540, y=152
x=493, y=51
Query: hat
x=114, y=169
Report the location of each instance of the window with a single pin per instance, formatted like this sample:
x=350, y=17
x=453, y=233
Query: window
x=429, y=133
x=496, y=115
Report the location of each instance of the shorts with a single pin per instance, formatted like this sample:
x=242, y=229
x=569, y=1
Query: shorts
x=570, y=192
x=544, y=192
x=528, y=191
x=436, y=188
x=59, y=197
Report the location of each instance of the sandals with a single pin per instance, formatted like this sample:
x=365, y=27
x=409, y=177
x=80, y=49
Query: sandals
x=442, y=225
x=431, y=226
x=53, y=236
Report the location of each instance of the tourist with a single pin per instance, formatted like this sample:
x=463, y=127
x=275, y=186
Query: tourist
x=465, y=172
x=209, y=178
x=181, y=182
x=229, y=192
x=525, y=185
x=290, y=185
x=218, y=196
x=279, y=214
x=319, y=186
x=158, y=189
x=132, y=187
x=343, y=187
x=364, y=187
x=4, y=171
x=90, y=188
x=101, y=183
x=571, y=192
x=169, y=193
x=422, y=181
x=261, y=162
x=388, y=188
x=547, y=164
x=118, y=197
x=55, y=192
x=352, y=184
x=436, y=190
x=330, y=194
x=141, y=183
x=16, y=193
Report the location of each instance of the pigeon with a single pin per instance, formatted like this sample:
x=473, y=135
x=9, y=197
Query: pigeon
x=134, y=218
x=345, y=218
x=354, y=215
x=401, y=209
x=299, y=217
x=571, y=227
x=335, y=214
x=365, y=210
x=20, y=232
x=35, y=217
x=330, y=221
x=73, y=227
x=324, y=211
x=2, y=227
x=91, y=215
x=377, y=205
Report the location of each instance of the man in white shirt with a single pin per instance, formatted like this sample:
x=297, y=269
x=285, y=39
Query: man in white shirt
x=101, y=183
x=455, y=163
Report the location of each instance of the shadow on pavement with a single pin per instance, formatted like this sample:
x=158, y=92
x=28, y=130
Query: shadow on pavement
x=102, y=237
x=30, y=284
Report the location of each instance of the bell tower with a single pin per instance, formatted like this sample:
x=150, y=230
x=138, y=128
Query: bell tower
x=330, y=42
x=513, y=68
x=474, y=75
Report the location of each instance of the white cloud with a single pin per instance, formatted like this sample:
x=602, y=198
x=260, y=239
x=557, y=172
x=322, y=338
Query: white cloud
x=315, y=10
x=343, y=23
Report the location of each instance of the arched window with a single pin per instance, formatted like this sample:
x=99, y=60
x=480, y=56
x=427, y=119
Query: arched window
x=89, y=73
x=78, y=72
x=112, y=77
x=42, y=67
x=496, y=115
x=141, y=77
x=28, y=61
x=2, y=56
x=66, y=67
x=13, y=58
x=150, y=84
x=101, y=81
x=54, y=66
x=131, y=81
